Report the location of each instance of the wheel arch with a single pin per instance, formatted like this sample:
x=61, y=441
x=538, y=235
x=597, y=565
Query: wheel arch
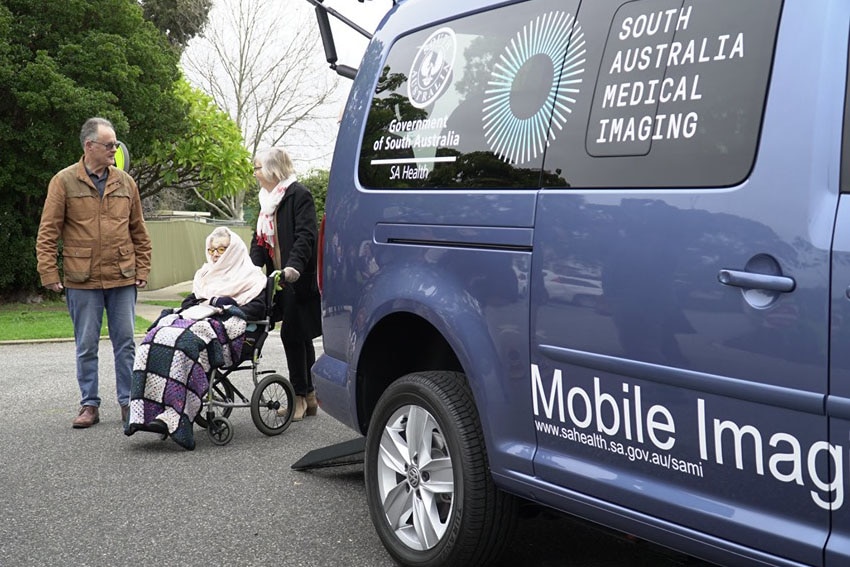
x=400, y=343
x=421, y=339
x=431, y=322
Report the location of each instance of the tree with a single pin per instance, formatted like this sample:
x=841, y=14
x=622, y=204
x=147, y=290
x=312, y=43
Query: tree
x=61, y=63
x=316, y=180
x=179, y=20
x=210, y=161
x=261, y=62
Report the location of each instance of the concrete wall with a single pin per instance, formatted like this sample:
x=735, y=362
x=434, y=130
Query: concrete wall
x=178, y=249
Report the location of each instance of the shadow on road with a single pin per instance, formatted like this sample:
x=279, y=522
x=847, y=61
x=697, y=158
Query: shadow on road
x=546, y=538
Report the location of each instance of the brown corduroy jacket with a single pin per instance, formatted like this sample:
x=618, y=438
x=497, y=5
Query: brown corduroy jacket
x=105, y=241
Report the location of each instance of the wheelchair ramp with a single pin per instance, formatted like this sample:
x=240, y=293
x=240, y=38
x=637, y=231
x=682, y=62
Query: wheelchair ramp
x=345, y=453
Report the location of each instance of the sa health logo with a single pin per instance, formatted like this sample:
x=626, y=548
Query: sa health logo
x=431, y=70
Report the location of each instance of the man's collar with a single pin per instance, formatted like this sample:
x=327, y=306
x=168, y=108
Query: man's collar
x=94, y=173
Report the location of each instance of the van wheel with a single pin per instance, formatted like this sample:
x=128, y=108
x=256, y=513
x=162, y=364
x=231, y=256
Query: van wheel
x=428, y=485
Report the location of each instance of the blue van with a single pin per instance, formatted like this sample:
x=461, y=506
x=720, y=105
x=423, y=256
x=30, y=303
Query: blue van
x=593, y=254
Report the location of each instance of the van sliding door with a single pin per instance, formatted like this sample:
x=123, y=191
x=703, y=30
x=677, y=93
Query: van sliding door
x=680, y=300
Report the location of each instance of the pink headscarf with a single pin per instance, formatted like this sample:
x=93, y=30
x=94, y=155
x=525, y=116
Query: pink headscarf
x=234, y=275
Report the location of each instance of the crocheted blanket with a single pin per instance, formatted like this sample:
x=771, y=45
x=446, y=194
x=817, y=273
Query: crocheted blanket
x=172, y=368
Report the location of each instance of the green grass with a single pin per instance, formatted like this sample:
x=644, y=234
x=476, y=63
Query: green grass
x=49, y=320
x=172, y=304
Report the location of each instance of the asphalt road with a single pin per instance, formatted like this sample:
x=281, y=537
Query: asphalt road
x=98, y=498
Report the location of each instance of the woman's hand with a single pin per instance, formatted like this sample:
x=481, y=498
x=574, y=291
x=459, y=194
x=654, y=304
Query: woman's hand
x=222, y=301
x=290, y=275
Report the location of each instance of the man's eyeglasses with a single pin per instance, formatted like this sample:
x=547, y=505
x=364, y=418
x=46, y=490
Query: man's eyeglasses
x=220, y=250
x=109, y=146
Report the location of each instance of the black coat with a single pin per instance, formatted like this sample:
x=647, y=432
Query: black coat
x=299, y=304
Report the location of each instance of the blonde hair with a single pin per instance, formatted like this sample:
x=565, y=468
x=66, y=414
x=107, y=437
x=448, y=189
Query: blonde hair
x=275, y=163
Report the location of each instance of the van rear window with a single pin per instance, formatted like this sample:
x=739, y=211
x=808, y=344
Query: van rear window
x=647, y=93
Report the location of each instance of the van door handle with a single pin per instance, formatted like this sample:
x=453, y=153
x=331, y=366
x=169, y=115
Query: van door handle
x=751, y=280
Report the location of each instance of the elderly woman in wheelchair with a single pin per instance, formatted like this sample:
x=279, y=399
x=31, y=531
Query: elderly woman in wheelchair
x=180, y=373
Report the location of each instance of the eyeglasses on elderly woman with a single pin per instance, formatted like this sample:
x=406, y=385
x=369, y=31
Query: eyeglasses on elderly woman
x=219, y=249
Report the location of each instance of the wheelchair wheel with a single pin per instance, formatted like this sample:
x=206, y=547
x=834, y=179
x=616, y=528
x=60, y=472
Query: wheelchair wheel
x=220, y=430
x=222, y=392
x=272, y=404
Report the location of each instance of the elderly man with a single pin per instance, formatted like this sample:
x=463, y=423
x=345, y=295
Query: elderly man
x=95, y=210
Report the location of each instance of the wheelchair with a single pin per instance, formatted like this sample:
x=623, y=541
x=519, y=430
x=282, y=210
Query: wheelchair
x=273, y=398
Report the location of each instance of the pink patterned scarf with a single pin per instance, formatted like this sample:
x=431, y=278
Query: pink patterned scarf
x=269, y=201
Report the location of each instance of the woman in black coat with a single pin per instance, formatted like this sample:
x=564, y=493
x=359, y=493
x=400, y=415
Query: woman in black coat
x=286, y=238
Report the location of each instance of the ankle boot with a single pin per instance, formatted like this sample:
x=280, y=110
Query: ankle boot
x=300, y=408
x=312, y=404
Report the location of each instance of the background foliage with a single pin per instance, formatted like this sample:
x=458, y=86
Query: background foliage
x=64, y=62
x=61, y=63
x=261, y=62
x=209, y=160
x=179, y=20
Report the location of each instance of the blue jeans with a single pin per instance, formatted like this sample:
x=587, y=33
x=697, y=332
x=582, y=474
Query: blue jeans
x=86, y=308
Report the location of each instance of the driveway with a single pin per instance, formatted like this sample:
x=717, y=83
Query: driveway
x=96, y=497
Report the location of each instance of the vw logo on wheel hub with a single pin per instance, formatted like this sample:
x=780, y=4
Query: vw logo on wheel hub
x=413, y=477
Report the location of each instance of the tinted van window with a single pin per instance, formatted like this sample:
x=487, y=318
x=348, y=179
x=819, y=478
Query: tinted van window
x=470, y=103
x=653, y=93
x=675, y=94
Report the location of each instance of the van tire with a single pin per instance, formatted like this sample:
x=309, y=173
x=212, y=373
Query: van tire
x=471, y=524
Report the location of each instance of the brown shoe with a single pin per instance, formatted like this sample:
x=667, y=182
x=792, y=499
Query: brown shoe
x=312, y=404
x=88, y=416
x=125, y=413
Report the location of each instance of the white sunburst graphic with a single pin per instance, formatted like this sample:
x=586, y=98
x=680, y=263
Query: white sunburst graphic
x=517, y=139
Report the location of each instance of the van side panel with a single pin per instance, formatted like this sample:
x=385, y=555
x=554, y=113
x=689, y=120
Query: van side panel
x=615, y=218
